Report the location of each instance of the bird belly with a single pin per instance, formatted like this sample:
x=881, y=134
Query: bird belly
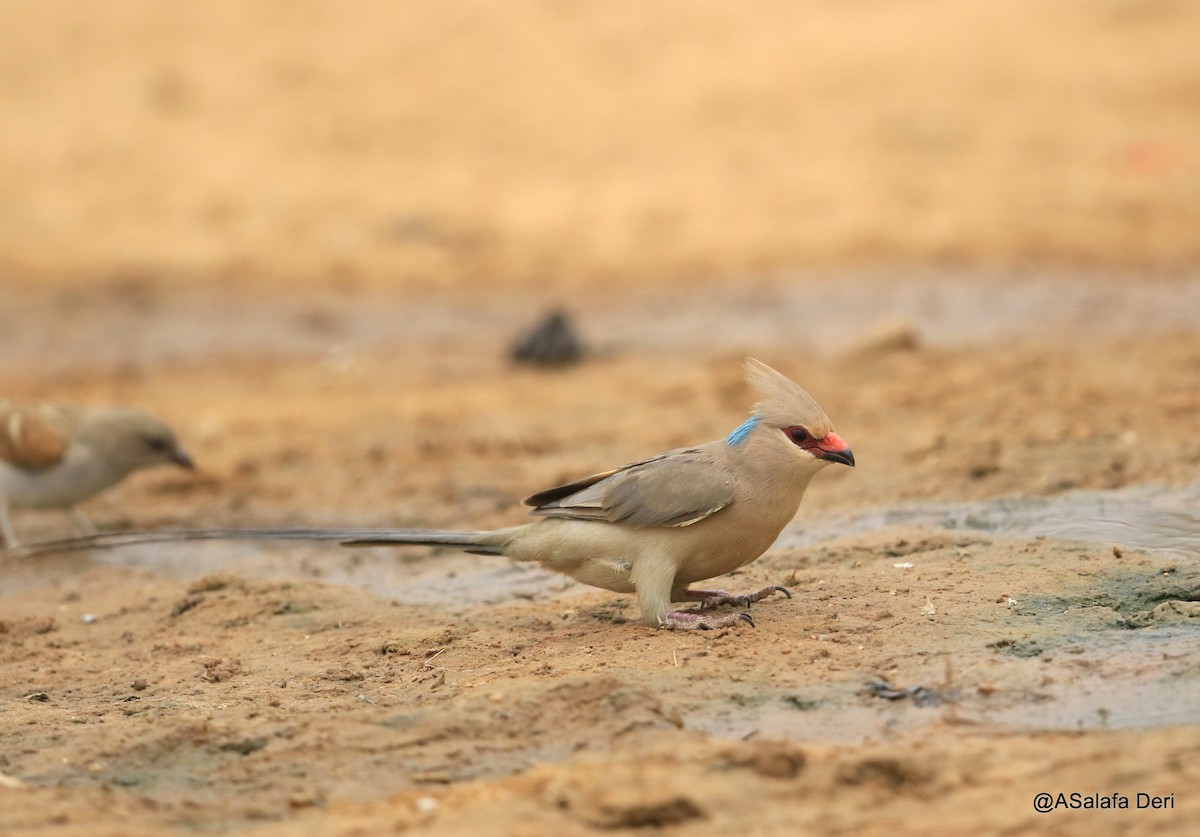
x=594, y=553
x=72, y=481
x=36, y=489
x=717, y=546
x=712, y=557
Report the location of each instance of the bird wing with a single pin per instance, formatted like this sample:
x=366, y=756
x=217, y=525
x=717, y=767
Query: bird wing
x=33, y=437
x=678, y=488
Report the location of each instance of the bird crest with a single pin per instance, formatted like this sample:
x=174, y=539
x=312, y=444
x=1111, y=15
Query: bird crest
x=783, y=402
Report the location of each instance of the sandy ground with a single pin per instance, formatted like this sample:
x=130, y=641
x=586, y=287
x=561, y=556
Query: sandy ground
x=176, y=688
x=311, y=256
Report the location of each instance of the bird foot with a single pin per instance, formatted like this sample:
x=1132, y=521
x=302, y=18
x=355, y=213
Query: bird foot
x=690, y=620
x=715, y=598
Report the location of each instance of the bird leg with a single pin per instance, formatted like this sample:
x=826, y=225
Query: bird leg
x=690, y=620
x=715, y=598
x=8, y=538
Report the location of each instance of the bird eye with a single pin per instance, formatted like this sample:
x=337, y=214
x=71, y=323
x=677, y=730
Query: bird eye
x=798, y=435
x=155, y=443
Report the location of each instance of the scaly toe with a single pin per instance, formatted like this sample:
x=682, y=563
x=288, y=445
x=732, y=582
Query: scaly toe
x=711, y=599
x=690, y=620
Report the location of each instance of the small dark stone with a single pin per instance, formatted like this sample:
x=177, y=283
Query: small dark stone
x=552, y=342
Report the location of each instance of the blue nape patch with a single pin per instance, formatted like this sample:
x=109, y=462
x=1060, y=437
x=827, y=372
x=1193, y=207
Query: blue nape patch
x=741, y=431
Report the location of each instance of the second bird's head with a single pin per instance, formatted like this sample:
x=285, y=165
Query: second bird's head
x=130, y=440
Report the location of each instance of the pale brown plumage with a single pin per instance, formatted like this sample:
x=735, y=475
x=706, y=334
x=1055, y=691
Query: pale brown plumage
x=54, y=456
x=678, y=488
x=651, y=527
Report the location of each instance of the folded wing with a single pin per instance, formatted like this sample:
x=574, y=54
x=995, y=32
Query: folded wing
x=678, y=488
x=33, y=437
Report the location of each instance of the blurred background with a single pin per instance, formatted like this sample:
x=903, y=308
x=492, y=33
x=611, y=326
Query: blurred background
x=546, y=144
x=307, y=233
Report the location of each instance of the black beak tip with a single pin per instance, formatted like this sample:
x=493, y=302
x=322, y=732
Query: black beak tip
x=845, y=457
x=183, y=460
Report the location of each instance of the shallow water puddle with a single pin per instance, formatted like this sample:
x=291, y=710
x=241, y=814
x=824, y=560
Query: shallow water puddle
x=1139, y=517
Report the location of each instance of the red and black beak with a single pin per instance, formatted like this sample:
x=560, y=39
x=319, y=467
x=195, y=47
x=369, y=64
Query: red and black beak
x=833, y=448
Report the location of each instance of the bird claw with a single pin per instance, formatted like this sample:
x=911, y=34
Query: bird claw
x=723, y=598
x=710, y=599
x=690, y=620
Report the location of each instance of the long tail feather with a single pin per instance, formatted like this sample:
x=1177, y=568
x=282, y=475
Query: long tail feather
x=469, y=541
